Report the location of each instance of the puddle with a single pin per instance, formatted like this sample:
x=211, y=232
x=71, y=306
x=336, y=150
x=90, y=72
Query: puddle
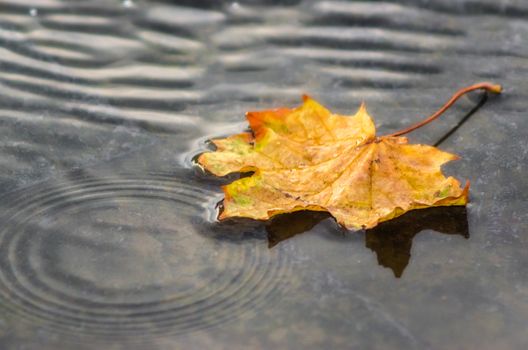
x=107, y=232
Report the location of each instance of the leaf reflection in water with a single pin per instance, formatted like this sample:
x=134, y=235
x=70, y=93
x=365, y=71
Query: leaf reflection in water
x=285, y=226
x=391, y=240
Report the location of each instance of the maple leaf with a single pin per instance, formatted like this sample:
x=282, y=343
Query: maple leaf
x=308, y=158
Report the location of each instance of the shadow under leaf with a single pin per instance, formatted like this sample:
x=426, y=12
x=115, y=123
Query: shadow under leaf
x=286, y=226
x=390, y=240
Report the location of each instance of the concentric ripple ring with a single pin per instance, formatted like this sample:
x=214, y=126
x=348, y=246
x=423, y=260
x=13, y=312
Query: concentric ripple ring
x=123, y=256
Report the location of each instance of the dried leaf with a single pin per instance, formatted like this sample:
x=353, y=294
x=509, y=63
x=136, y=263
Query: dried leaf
x=310, y=159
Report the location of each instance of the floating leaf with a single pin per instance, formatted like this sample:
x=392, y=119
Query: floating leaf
x=308, y=158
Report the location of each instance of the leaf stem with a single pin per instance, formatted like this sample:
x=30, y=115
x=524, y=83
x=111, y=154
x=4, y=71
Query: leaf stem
x=488, y=87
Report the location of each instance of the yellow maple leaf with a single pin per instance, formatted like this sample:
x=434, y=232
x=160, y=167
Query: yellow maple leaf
x=310, y=159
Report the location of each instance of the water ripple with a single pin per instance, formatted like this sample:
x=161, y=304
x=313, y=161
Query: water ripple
x=124, y=90
x=121, y=256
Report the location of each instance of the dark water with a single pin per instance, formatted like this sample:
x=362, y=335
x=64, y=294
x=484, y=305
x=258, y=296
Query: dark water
x=108, y=237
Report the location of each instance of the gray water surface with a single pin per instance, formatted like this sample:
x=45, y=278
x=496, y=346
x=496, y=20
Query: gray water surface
x=108, y=231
